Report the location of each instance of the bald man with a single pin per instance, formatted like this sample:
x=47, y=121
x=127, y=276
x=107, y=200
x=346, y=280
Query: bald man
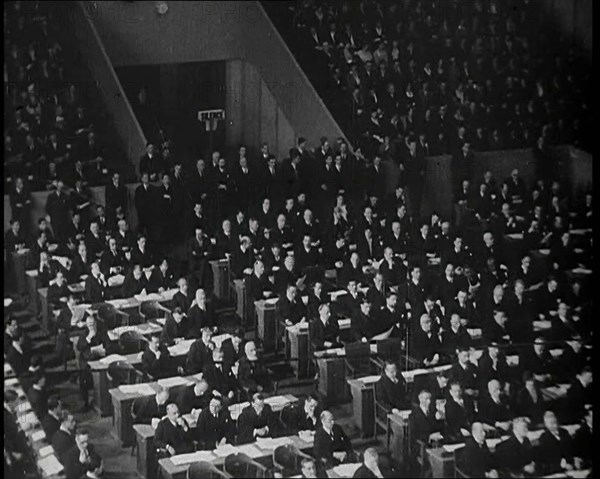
x=173, y=433
x=476, y=460
x=370, y=466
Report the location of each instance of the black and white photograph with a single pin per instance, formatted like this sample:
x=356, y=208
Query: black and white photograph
x=298, y=239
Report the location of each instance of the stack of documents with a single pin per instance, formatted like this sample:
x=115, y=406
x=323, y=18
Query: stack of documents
x=137, y=389
x=250, y=450
x=225, y=450
x=277, y=402
x=272, y=443
x=346, y=470
x=181, y=348
x=113, y=358
x=50, y=466
x=116, y=280
x=183, y=459
x=236, y=409
x=175, y=381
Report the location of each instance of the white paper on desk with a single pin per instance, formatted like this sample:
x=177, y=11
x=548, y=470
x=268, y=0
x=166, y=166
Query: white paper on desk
x=38, y=435
x=336, y=294
x=277, y=401
x=27, y=421
x=535, y=435
x=492, y=443
x=369, y=379
x=579, y=474
x=182, y=459
x=172, y=382
x=544, y=251
x=542, y=325
x=12, y=381
x=161, y=321
x=582, y=271
x=218, y=340
x=225, y=450
x=346, y=470
x=116, y=280
x=50, y=465
x=572, y=428
x=168, y=294
x=344, y=323
x=181, y=348
x=148, y=297
x=138, y=389
x=453, y=447
x=113, y=358
x=475, y=333
x=46, y=451
x=250, y=450
x=7, y=302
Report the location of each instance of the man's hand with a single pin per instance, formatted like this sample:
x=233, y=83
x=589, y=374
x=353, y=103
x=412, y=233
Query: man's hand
x=435, y=436
x=435, y=360
x=578, y=463
x=170, y=450
x=327, y=344
x=505, y=425
x=396, y=411
x=529, y=468
x=364, y=340
x=340, y=456
x=492, y=474
x=288, y=322
x=231, y=395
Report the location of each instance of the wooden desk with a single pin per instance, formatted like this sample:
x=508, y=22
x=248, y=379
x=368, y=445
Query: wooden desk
x=299, y=356
x=101, y=383
x=171, y=471
x=266, y=329
x=121, y=406
x=221, y=274
x=32, y=288
x=441, y=461
x=240, y=301
x=44, y=308
x=146, y=452
x=332, y=379
x=398, y=436
x=363, y=403
x=145, y=329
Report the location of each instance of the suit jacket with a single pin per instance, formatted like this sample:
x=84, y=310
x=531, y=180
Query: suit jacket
x=458, y=417
x=132, y=286
x=50, y=425
x=490, y=412
x=294, y=311
x=62, y=442
x=174, y=330
x=75, y=469
x=583, y=444
x=476, y=460
x=467, y=377
x=200, y=318
x=144, y=259
x=144, y=409
x=394, y=275
x=390, y=394
x=210, y=430
x=187, y=400
x=85, y=348
x=95, y=291
x=320, y=333
x=80, y=267
x=253, y=374
x=325, y=445
x=174, y=436
x=230, y=355
x=162, y=367
x=110, y=260
x=18, y=361
x=115, y=197
x=424, y=347
x=255, y=286
x=363, y=250
x=301, y=421
x=198, y=356
x=39, y=401
x=144, y=203
x=551, y=450
x=249, y=420
x=160, y=280
x=422, y=426
x=183, y=301
x=513, y=455
x=217, y=378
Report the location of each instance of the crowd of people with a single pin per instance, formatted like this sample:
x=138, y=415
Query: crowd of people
x=55, y=125
x=495, y=74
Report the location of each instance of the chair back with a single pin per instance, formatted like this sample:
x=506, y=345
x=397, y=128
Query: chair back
x=390, y=348
x=286, y=459
x=120, y=372
x=241, y=465
x=286, y=417
x=108, y=315
x=205, y=470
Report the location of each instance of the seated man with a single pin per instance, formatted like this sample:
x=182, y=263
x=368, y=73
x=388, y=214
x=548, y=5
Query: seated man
x=390, y=389
x=173, y=433
x=291, y=308
x=424, y=425
x=193, y=399
x=216, y=375
x=324, y=331
x=135, y=282
x=258, y=285
x=58, y=291
x=201, y=314
x=331, y=445
x=214, y=426
x=51, y=421
x=37, y=394
x=476, y=460
x=495, y=331
x=464, y=372
x=455, y=337
x=425, y=346
x=309, y=468
x=253, y=374
x=538, y=360
x=200, y=353
x=306, y=416
x=579, y=395
x=177, y=327
x=459, y=412
x=554, y=452
x=95, y=285
x=233, y=348
x=156, y=359
x=82, y=457
x=494, y=410
x=370, y=466
x=149, y=409
x=583, y=444
x=515, y=455
x=529, y=400
x=256, y=420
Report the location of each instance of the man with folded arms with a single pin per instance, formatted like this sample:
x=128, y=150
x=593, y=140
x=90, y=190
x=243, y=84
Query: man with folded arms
x=82, y=457
x=424, y=425
x=216, y=374
x=63, y=440
x=555, y=450
x=193, y=399
x=150, y=409
x=459, y=412
x=214, y=427
x=173, y=433
x=331, y=445
x=390, y=389
x=516, y=454
x=156, y=359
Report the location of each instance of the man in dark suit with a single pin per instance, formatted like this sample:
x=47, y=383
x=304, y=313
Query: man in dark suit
x=554, y=452
x=82, y=457
x=156, y=359
x=214, y=426
x=493, y=409
x=258, y=283
x=151, y=163
x=63, y=440
x=200, y=352
x=17, y=354
x=181, y=298
x=115, y=198
x=256, y=420
x=192, y=399
x=324, y=331
x=464, y=372
x=425, y=345
x=147, y=409
x=201, y=314
x=305, y=417
x=37, y=394
x=233, y=348
x=253, y=374
x=291, y=310
x=424, y=423
x=177, y=327
x=393, y=271
x=173, y=433
x=57, y=206
x=215, y=374
x=95, y=285
x=370, y=466
x=144, y=204
x=579, y=395
x=112, y=262
x=515, y=455
x=162, y=277
x=331, y=446
x=52, y=420
x=476, y=460
x=390, y=389
x=135, y=282
x=583, y=444
x=459, y=413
